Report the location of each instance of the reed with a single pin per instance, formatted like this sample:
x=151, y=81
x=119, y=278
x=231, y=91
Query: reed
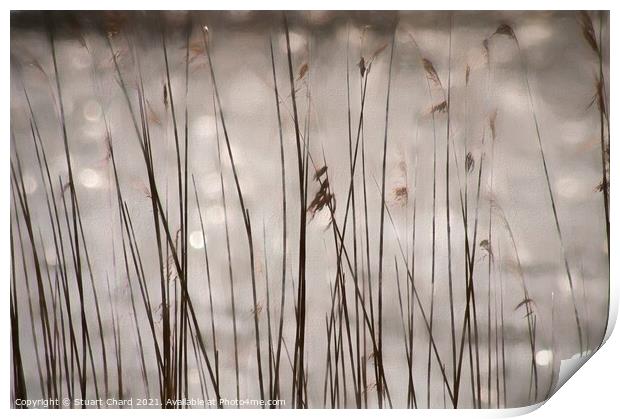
x=506, y=30
x=140, y=331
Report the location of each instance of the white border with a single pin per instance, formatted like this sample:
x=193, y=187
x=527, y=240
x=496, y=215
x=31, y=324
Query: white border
x=593, y=392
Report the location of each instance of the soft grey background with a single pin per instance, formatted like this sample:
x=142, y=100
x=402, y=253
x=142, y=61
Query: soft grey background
x=561, y=70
